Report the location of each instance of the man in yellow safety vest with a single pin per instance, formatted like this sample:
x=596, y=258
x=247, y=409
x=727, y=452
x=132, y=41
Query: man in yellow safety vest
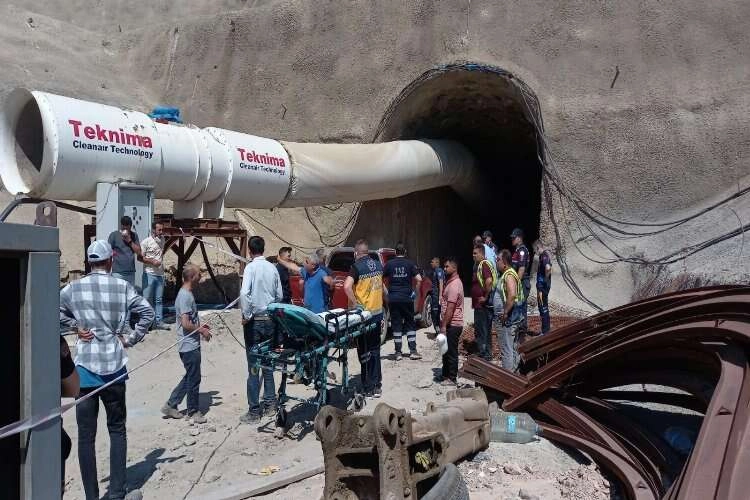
x=483, y=282
x=508, y=302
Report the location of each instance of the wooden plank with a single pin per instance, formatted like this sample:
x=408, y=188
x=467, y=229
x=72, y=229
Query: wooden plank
x=274, y=482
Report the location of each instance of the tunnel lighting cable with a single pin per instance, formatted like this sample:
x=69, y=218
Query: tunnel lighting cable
x=346, y=228
x=300, y=248
x=565, y=272
x=588, y=209
x=551, y=171
x=674, y=257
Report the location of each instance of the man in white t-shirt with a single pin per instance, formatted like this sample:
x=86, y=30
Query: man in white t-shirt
x=152, y=250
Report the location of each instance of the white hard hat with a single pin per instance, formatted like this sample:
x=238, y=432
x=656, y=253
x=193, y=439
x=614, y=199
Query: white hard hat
x=442, y=341
x=99, y=251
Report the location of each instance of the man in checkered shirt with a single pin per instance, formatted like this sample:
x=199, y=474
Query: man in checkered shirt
x=97, y=306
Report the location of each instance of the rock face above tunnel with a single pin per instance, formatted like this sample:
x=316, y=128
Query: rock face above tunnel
x=645, y=105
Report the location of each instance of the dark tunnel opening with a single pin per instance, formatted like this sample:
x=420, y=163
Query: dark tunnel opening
x=484, y=108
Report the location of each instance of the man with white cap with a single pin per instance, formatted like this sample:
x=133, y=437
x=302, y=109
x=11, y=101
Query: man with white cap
x=97, y=306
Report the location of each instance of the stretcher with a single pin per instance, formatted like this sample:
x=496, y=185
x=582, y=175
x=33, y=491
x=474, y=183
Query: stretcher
x=303, y=347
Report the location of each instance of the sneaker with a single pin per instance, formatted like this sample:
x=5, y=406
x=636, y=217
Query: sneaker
x=198, y=418
x=250, y=418
x=377, y=393
x=446, y=382
x=134, y=495
x=415, y=356
x=161, y=326
x=399, y=357
x=270, y=409
x=170, y=412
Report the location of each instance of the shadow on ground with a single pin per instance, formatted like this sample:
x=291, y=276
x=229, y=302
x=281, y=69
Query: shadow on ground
x=139, y=473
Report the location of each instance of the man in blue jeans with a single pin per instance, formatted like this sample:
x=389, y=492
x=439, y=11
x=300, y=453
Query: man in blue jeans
x=152, y=249
x=261, y=286
x=189, y=331
x=96, y=306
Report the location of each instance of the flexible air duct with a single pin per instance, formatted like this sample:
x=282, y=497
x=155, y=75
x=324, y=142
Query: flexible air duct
x=60, y=148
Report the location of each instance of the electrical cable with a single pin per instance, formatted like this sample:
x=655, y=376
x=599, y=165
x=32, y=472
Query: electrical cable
x=550, y=170
x=299, y=248
x=551, y=173
x=346, y=228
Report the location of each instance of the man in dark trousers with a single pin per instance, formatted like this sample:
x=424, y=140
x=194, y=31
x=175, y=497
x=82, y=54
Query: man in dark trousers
x=285, y=254
x=438, y=281
x=364, y=289
x=521, y=264
x=190, y=332
x=97, y=306
x=452, y=324
x=261, y=286
x=402, y=280
x=483, y=281
x=543, y=283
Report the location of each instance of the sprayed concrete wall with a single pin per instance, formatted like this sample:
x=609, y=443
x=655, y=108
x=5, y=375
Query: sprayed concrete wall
x=666, y=135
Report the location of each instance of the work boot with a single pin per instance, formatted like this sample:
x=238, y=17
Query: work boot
x=198, y=418
x=170, y=412
x=398, y=357
x=415, y=355
x=250, y=417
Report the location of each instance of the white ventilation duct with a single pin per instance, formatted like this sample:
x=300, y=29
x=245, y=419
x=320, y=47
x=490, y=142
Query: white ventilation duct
x=60, y=148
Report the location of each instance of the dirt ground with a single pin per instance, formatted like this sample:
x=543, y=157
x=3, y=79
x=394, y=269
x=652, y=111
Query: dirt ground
x=171, y=459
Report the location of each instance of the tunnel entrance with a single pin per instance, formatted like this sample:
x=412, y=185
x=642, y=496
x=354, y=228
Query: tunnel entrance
x=486, y=109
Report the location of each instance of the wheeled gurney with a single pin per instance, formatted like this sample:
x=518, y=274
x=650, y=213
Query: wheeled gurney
x=305, y=344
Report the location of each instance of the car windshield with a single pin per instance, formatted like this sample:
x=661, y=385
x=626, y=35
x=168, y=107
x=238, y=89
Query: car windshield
x=342, y=261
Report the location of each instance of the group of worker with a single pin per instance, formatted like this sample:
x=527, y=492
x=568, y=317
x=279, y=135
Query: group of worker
x=98, y=307
x=500, y=287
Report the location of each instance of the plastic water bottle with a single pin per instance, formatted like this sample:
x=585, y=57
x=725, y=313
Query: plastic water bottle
x=510, y=427
x=680, y=438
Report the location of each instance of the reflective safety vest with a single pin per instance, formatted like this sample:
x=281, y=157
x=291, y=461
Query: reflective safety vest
x=519, y=289
x=480, y=279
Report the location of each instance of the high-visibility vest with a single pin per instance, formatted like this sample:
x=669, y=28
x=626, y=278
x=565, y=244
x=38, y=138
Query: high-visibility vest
x=480, y=279
x=519, y=289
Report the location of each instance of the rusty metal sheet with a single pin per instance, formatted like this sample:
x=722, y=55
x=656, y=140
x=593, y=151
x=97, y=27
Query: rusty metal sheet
x=694, y=340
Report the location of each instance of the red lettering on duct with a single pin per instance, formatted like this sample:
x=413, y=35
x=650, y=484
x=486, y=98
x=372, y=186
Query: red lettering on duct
x=76, y=126
x=263, y=159
x=100, y=133
x=96, y=131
